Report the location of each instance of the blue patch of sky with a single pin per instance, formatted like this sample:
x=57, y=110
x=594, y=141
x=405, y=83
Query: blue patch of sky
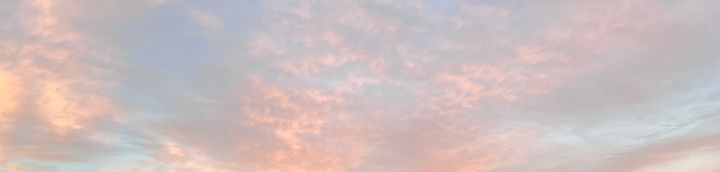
x=442, y=5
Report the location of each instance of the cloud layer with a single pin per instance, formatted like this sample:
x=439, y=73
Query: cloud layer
x=371, y=85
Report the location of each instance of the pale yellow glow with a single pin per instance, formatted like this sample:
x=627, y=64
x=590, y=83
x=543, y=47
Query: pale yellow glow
x=698, y=161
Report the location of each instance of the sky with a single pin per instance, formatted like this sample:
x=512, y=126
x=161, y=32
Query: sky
x=359, y=86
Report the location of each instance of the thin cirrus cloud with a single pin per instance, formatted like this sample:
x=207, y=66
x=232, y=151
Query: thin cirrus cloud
x=372, y=85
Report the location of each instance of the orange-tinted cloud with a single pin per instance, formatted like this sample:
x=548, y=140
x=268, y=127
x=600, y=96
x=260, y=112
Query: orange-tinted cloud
x=10, y=94
x=49, y=89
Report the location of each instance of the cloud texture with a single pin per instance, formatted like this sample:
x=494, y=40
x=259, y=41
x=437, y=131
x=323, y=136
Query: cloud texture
x=367, y=85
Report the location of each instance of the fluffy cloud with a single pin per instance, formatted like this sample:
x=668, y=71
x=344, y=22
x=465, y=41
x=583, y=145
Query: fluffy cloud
x=53, y=90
